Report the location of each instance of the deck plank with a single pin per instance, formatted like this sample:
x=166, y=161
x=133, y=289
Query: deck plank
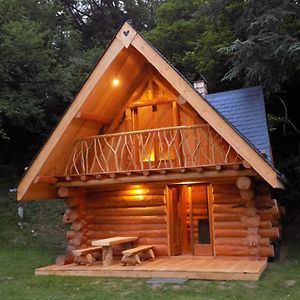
x=192, y=268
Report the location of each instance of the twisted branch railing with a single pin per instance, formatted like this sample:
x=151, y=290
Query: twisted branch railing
x=154, y=149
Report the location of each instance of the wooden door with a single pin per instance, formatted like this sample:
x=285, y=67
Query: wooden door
x=174, y=221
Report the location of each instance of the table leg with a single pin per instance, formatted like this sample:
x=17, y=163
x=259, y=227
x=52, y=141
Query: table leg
x=107, y=256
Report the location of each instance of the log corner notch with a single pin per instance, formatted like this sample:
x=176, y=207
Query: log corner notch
x=254, y=217
x=75, y=216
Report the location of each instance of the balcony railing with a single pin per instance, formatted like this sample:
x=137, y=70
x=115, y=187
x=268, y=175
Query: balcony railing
x=153, y=149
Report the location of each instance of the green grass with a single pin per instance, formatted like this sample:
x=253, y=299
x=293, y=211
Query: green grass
x=22, y=251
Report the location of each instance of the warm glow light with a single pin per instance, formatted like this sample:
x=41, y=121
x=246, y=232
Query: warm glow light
x=116, y=82
x=188, y=182
x=150, y=156
x=139, y=191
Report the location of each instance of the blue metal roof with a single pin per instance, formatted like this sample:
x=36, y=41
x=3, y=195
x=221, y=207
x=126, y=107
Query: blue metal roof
x=245, y=110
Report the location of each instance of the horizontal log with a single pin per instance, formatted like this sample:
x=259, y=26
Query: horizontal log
x=226, y=250
x=230, y=233
x=267, y=251
x=240, y=241
x=265, y=217
x=225, y=189
x=227, y=217
x=127, y=201
x=153, y=240
x=116, y=227
x=227, y=199
x=65, y=192
x=142, y=233
x=239, y=225
x=228, y=209
x=130, y=211
x=160, y=250
x=273, y=211
x=126, y=219
x=129, y=192
x=272, y=233
x=45, y=179
x=265, y=224
x=230, y=225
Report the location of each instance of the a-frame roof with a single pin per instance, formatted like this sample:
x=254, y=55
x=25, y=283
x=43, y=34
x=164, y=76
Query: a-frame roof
x=127, y=48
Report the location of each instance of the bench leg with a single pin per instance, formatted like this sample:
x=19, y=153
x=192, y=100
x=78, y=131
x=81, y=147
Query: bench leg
x=151, y=253
x=131, y=260
x=107, y=256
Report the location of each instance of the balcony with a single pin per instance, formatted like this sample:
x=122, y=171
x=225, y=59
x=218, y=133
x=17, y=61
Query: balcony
x=160, y=150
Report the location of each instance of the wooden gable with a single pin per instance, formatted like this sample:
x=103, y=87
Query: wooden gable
x=130, y=74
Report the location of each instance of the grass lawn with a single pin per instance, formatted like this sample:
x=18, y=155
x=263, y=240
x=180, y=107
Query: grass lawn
x=42, y=238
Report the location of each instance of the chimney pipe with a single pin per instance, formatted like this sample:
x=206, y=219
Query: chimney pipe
x=200, y=85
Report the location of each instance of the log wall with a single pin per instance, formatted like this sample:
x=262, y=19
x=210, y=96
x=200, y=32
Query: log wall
x=245, y=220
x=136, y=212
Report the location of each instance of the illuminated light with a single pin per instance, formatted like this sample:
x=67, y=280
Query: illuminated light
x=150, y=156
x=139, y=191
x=116, y=82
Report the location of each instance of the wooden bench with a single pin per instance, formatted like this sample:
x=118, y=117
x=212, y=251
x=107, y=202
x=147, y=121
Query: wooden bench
x=87, y=255
x=134, y=256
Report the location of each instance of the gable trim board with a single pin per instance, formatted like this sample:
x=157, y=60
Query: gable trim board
x=126, y=37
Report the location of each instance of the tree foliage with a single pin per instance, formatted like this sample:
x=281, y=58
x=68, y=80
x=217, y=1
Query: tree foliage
x=267, y=48
x=98, y=20
x=40, y=64
x=187, y=37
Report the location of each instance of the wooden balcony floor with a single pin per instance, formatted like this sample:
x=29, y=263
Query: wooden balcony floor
x=191, y=268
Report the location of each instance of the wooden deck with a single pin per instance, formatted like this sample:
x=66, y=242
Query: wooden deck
x=181, y=267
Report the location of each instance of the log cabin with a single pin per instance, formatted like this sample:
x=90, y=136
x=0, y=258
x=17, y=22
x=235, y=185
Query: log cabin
x=142, y=153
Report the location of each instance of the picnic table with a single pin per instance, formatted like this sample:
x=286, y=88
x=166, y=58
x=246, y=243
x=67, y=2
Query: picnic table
x=107, y=246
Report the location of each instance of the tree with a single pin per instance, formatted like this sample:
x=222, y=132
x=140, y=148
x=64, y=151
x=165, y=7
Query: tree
x=190, y=41
x=267, y=48
x=41, y=66
x=98, y=20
